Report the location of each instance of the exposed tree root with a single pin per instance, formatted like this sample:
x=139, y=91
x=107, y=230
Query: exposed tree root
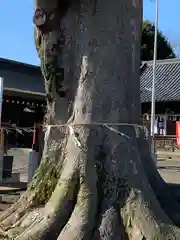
x=161, y=189
x=128, y=208
x=39, y=191
x=9, y=211
x=66, y=203
x=103, y=188
x=82, y=219
x=142, y=207
x=26, y=202
x=56, y=213
x=124, y=206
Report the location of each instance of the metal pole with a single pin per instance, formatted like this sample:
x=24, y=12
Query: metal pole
x=1, y=97
x=1, y=132
x=154, y=79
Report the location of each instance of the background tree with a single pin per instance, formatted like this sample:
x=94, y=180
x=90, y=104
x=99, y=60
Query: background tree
x=164, y=49
x=96, y=179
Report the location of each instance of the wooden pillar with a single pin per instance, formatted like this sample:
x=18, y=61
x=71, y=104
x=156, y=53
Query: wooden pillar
x=34, y=159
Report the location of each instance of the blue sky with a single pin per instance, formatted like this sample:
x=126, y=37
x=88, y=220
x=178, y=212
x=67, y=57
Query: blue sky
x=169, y=17
x=16, y=38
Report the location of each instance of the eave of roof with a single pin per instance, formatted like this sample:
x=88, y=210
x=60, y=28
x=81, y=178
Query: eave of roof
x=24, y=94
x=26, y=65
x=22, y=79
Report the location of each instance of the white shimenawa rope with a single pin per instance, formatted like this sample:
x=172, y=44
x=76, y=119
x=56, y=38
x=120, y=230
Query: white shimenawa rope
x=116, y=131
x=77, y=141
x=107, y=125
x=93, y=123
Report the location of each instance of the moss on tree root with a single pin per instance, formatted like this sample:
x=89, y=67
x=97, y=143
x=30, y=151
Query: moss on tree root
x=50, y=172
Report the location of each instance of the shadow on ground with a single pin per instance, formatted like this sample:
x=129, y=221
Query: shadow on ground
x=161, y=159
x=169, y=168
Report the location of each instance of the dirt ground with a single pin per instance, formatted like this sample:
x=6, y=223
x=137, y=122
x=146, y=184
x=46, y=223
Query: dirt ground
x=169, y=166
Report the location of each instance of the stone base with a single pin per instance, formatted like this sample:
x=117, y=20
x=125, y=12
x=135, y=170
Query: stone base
x=166, y=143
x=15, y=178
x=32, y=164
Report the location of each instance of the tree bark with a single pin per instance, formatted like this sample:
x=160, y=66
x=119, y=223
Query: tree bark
x=93, y=182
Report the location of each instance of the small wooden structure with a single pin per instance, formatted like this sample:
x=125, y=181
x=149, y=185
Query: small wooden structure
x=23, y=100
x=23, y=104
x=167, y=99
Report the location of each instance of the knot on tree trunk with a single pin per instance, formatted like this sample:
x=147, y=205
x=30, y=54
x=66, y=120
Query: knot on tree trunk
x=47, y=18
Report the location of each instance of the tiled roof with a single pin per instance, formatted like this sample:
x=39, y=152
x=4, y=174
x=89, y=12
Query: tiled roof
x=14, y=64
x=167, y=80
x=23, y=79
x=19, y=77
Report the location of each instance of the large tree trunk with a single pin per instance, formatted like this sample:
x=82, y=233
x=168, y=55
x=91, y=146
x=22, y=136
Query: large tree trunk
x=93, y=182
